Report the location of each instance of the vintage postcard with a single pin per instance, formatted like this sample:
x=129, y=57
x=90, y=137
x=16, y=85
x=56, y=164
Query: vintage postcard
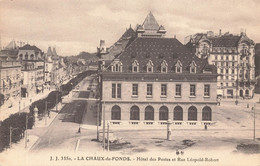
x=128, y=82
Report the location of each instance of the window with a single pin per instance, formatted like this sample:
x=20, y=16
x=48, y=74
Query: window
x=178, y=113
x=135, y=89
x=163, y=113
x=216, y=57
x=164, y=67
x=149, y=66
x=226, y=84
x=163, y=89
x=116, y=113
x=134, y=113
x=135, y=69
x=149, y=89
x=193, y=67
x=178, y=67
x=221, y=57
x=192, y=113
x=164, y=70
x=206, y=90
x=233, y=71
x=192, y=90
x=227, y=57
x=233, y=64
x=222, y=71
x=149, y=113
x=135, y=66
x=116, y=66
x=226, y=77
x=116, y=90
x=226, y=71
x=233, y=57
x=178, y=90
x=113, y=90
x=206, y=114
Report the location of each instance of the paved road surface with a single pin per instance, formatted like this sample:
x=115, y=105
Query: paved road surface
x=62, y=134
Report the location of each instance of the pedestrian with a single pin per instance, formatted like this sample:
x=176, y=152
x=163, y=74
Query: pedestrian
x=205, y=127
x=79, y=131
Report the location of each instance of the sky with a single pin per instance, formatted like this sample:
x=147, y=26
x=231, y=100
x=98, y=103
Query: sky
x=72, y=26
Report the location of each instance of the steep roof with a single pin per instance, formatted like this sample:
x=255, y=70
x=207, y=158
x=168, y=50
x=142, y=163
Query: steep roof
x=121, y=43
x=157, y=50
x=49, y=52
x=150, y=22
x=225, y=41
x=29, y=47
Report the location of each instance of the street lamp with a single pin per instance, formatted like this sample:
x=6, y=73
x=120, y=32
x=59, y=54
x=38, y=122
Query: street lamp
x=253, y=109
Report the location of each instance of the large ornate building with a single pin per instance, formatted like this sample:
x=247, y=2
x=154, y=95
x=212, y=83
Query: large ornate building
x=32, y=61
x=234, y=57
x=155, y=79
x=10, y=77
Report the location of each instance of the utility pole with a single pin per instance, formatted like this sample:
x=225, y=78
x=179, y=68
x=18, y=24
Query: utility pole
x=104, y=127
x=254, y=121
x=10, y=138
x=169, y=133
x=108, y=136
x=46, y=109
x=26, y=126
x=57, y=100
x=98, y=121
x=19, y=106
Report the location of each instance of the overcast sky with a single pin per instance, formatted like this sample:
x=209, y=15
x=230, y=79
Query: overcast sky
x=73, y=26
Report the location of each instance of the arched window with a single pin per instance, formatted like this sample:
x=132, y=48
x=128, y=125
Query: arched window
x=163, y=113
x=134, y=113
x=26, y=56
x=31, y=57
x=241, y=93
x=178, y=67
x=192, y=113
x=20, y=56
x=164, y=66
x=135, y=66
x=193, y=67
x=178, y=113
x=247, y=93
x=149, y=113
x=149, y=67
x=116, y=113
x=206, y=114
x=116, y=66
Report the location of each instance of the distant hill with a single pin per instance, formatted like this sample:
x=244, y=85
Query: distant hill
x=87, y=56
x=82, y=55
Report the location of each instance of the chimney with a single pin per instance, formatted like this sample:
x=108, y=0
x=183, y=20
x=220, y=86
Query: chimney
x=220, y=32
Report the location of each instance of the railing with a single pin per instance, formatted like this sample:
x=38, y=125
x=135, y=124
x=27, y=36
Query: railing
x=159, y=123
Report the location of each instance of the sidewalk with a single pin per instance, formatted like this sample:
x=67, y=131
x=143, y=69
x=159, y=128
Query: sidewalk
x=5, y=112
x=32, y=139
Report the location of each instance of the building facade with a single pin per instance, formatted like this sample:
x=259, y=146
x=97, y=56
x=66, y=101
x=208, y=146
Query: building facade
x=234, y=57
x=10, y=76
x=155, y=79
x=32, y=61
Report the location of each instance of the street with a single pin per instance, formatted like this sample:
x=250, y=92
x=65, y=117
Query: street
x=62, y=134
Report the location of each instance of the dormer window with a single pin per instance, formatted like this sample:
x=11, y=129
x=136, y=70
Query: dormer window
x=135, y=66
x=164, y=66
x=149, y=66
x=116, y=66
x=178, y=67
x=193, y=67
